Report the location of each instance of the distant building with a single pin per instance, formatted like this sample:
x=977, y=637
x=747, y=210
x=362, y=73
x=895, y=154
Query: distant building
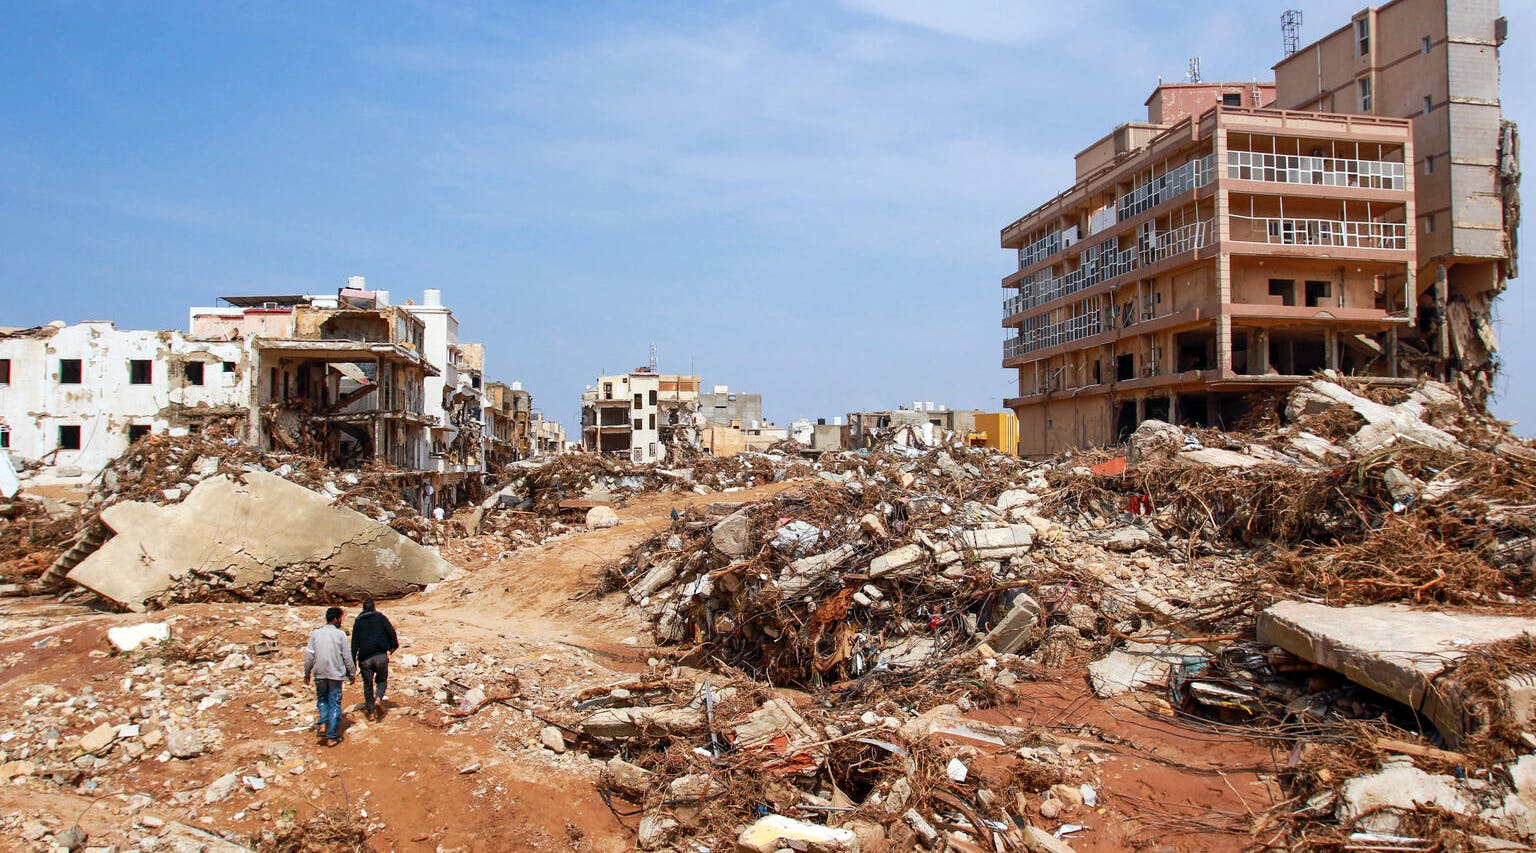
x=619, y=416
x=820, y=436
x=1435, y=63
x=454, y=400
x=864, y=427
x=75, y=397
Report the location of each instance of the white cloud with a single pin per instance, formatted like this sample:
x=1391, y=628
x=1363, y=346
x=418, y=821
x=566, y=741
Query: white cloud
x=999, y=21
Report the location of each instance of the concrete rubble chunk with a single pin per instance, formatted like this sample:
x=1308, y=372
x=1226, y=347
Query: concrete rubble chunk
x=183, y=743
x=630, y=722
x=1377, y=802
x=656, y=829
x=248, y=532
x=901, y=562
x=1216, y=457
x=631, y=780
x=775, y=832
x=1138, y=665
x=996, y=543
x=220, y=788
x=1397, y=651
x=1043, y=841
x=1130, y=539
x=599, y=517
x=1016, y=626
x=1386, y=425
x=98, y=738
x=800, y=576
x=552, y=740
x=733, y=535
x=1154, y=441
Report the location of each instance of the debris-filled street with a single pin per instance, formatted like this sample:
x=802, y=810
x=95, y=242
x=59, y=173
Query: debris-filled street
x=664, y=484
x=1311, y=634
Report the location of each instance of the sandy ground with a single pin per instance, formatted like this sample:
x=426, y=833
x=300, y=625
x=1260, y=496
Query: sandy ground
x=1164, y=786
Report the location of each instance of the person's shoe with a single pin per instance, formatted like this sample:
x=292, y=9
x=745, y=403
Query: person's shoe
x=332, y=741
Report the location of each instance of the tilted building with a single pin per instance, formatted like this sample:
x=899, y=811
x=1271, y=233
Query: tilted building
x=1435, y=63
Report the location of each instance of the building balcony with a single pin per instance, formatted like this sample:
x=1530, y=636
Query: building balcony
x=1316, y=171
x=1339, y=233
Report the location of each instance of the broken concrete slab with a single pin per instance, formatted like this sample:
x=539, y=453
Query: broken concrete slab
x=1216, y=457
x=733, y=535
x=1377, y=802
x=630, y=722
x=1385, y=425
x=1136, y=666
x=1397, y=651
x=267, y=537
x=1016, y=626
x=802, y=575
x=995, y=543
x=903, y=561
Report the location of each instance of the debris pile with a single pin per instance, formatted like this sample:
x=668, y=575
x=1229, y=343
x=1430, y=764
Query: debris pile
x=962, y=573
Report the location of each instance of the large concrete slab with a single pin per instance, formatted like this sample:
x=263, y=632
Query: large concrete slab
x=1394, y=649
x=262, y=534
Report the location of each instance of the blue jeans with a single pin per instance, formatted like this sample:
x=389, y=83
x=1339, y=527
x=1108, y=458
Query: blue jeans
x=328, y=701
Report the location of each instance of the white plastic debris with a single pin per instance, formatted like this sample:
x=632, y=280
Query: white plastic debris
x=1090, y=796
x=128, y=637
x=957, y=770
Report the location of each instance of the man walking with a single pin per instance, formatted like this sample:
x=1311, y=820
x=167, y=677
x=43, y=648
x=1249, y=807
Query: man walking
x=373, y=638
x=326, y=660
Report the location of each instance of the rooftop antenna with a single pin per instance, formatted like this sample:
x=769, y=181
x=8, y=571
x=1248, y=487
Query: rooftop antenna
x=1290, y=30
x=1193, y=74
x=653, y=358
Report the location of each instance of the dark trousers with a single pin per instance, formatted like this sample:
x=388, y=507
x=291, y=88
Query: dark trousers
x=375, y=670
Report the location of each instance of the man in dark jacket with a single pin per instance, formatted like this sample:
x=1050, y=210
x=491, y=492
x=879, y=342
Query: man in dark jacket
x=373, y=638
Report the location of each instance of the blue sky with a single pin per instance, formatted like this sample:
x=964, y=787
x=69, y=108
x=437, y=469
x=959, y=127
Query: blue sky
x=797, y=199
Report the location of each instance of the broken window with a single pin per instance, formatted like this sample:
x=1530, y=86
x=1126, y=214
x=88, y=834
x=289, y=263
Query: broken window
x=652, y=450
x=1285, y=288
x=1125, y=367
x=639, y=424
x=5, y=436
x=137, y=431
x=1317, y=291
x=1363, y=37
x=1231, y=99
x=5, y=371
x=653, y=421
x=1429, y=104
x=653, y=396
x=1424, y=44
x=140, y=371
x=229, y=367
x=639, y=401
x=1363, y=85
x=194, y=372
x=69, y=437
x=607, y=390
x=69, y=371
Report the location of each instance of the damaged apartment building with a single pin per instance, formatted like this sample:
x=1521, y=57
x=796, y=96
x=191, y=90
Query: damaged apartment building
x=341, y=378
x=74, y=397
x=641, y=413
x=1226, y=249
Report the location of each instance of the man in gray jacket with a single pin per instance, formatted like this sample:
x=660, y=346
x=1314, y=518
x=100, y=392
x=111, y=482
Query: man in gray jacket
x=328, y=659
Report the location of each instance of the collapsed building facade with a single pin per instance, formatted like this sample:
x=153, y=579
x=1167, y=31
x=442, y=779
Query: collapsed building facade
x=349, y=379
x=74, y=398
x=1224, y=250
x=1437, y=64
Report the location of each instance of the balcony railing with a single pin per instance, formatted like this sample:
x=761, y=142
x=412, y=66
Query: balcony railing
x=1316, y=171
x=1038, y=333
x=1042, y=248
x=1185, y=238
x=1343, y=233
x=1170, y=184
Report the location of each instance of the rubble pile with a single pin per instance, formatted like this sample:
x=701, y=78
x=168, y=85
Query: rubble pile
x=162, y=469
x=965, y=572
